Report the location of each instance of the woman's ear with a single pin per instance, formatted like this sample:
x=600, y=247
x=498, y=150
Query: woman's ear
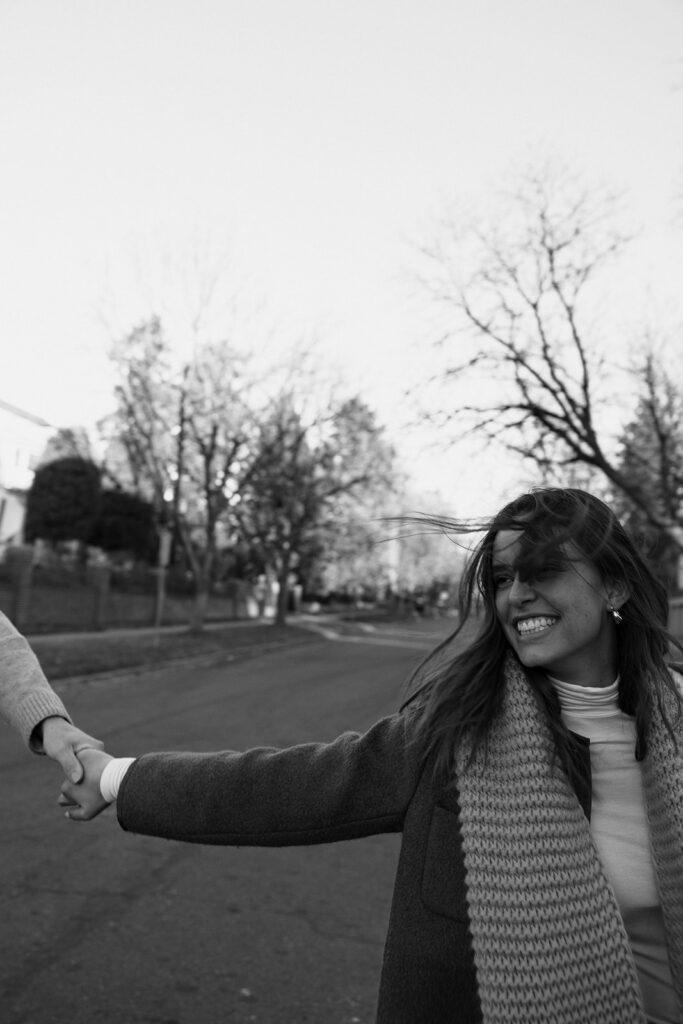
x=617, y=593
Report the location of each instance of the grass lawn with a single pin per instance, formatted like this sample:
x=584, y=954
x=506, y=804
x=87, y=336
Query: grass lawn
x=92, y=653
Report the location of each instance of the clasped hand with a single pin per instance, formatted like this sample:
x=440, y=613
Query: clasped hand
x=62, y=741
x=84, y=799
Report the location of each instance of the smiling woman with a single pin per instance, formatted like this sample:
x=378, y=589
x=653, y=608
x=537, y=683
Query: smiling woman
x=566, y=597
x=560, y=583
x=556, y=618
x=536, y=776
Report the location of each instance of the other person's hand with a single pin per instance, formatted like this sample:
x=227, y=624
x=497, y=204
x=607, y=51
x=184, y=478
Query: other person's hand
x=62, y=741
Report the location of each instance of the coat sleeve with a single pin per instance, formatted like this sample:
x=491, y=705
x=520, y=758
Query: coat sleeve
x=26, y=697
x=355, y=786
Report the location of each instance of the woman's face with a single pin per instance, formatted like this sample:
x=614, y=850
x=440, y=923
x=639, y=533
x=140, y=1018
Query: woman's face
x=557, y=621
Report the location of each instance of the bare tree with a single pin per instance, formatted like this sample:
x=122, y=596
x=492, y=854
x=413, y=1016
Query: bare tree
x=213, y=437
x=67, y=442
x=652, y=444
x=522, y=326
x=304, y=466
x=179, y=438
x=651, y=455
x=141, y=452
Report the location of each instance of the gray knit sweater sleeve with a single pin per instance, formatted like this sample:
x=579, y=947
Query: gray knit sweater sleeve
x=26, y=697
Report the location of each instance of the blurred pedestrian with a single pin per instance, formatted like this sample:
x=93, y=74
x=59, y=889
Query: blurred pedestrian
x=536, y=776
x=30, y=705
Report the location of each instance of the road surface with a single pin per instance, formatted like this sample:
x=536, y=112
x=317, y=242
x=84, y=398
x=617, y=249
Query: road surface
x=102, y=927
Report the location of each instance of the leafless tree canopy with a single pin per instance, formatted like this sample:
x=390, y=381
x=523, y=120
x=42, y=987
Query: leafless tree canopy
x=651, y=451
x=306, y=474
x=224, y=466
x=521, y=299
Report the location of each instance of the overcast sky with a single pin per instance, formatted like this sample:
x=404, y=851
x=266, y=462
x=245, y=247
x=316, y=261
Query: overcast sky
x=315, y=141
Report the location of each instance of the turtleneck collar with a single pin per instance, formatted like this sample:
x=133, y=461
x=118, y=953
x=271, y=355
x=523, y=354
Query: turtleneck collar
x=589, y=700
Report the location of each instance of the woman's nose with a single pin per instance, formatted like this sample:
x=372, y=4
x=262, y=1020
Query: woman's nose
x=521, y=590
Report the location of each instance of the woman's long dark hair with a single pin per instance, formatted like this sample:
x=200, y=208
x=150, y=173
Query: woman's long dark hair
x=459, y=695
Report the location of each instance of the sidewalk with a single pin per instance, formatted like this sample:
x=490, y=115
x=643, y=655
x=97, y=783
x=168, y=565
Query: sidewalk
x=303, y=620
x=127, y=631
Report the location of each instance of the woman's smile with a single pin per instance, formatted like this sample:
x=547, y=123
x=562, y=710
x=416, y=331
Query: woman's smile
x=534, y=625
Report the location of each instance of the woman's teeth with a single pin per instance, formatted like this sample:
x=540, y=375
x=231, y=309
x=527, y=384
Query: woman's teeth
x=536, y=625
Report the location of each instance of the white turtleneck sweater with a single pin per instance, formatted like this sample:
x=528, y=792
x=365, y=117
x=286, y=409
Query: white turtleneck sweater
x=620, y=832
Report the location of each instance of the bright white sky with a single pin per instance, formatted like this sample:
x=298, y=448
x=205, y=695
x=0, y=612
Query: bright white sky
x=316, y=141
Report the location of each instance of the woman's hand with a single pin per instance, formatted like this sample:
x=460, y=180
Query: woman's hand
x=84, y=799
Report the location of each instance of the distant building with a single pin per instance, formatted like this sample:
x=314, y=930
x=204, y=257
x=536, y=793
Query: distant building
x=23, y=438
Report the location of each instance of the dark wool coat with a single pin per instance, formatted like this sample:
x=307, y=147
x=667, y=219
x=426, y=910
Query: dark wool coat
x=356, y=786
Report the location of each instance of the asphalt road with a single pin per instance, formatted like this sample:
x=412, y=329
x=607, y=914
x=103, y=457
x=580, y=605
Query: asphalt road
x=102, y=927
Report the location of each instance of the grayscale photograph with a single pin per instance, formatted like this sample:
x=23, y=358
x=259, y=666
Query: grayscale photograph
x=341, y=511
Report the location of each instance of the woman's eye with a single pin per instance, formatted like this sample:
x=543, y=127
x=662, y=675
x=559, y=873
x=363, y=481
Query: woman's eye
x=502, y=579
x=550, y=569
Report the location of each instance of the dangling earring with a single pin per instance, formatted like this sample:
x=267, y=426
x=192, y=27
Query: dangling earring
x=616, y=614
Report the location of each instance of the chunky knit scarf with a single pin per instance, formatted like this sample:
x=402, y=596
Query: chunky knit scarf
x=549, y=942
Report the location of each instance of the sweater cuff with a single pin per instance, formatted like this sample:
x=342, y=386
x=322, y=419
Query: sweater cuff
x=112, y=776
x=34, y=708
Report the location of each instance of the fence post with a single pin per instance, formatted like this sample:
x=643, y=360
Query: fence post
x=98, y=577
x=165, y=537
x=20, y=562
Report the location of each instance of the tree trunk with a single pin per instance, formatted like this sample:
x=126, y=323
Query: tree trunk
x=202, y=574
x=283, y=593
x=201, y=606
